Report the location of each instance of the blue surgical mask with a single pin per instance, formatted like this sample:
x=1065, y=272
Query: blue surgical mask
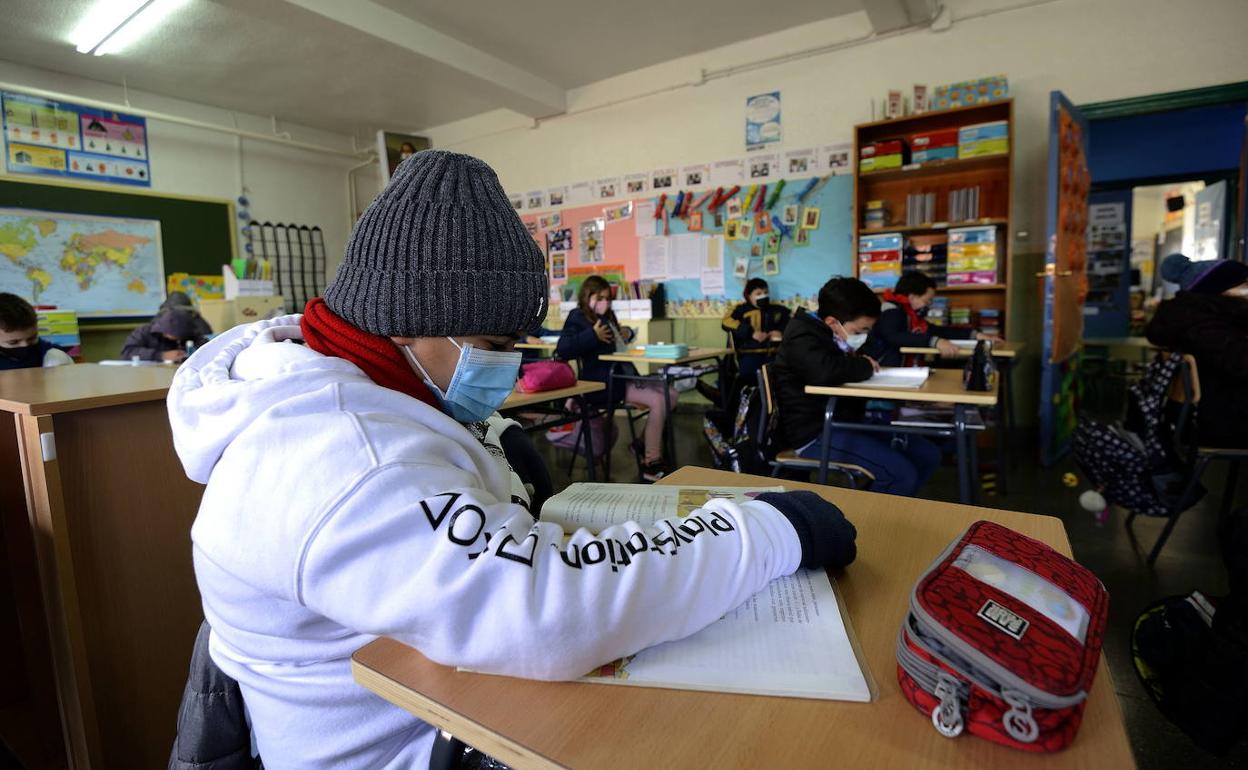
x=856, y=341
x=482, y=381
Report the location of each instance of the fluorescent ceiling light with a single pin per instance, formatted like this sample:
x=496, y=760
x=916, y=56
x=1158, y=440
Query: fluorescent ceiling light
x=113, y=25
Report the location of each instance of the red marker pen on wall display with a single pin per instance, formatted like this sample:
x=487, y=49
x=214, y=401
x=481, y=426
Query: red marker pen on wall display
x=749, y=197
x=716, y=199
x=698, y=203
x=758, y=202
x=662, y=207
x=736, y=188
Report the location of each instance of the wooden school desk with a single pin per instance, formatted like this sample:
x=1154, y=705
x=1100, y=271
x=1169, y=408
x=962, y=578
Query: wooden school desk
x=1006, y=354
x=544, y=348
x=96, y=518
x=694, y=355
x=550, y=402
x=580, y=725
x=943, y=386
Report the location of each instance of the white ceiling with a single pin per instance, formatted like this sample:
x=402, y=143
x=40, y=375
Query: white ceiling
x=273, y=57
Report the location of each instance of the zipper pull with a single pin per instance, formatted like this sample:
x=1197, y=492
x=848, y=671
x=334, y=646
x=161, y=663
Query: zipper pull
x=947, y=716
x=1018, y=721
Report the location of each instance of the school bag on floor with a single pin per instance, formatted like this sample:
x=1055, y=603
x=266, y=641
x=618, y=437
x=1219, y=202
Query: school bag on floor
x=1002, y=640
x=734, y=447
x=1133, y=462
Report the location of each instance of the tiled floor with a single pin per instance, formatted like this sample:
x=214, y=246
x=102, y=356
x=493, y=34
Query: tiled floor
x=1188, y=562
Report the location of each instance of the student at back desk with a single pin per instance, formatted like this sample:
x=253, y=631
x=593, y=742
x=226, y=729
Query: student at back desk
x=756, y=327
x=822, y=349
x=903, y=324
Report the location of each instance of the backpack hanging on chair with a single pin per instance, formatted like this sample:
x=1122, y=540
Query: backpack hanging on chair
x=1133, y=461
x=733, y=445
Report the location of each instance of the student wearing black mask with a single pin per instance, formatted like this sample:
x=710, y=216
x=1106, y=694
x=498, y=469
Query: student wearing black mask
x=756, y=326
x=20, y=345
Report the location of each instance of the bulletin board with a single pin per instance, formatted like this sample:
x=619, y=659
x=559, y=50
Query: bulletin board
x=802, y=268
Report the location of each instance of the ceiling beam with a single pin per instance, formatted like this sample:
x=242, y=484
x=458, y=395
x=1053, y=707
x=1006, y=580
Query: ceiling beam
x=522, y=91
x=889, y=15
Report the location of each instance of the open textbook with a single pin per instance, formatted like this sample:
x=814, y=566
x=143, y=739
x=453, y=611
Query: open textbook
x=896, y=377
x=596, y=506
x=789, y=639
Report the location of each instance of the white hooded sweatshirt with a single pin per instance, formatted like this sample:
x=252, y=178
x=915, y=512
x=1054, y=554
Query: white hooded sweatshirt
x=337, y=511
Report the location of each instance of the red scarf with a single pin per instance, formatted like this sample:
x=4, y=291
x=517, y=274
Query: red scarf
x=381, y=360
x=918, y=325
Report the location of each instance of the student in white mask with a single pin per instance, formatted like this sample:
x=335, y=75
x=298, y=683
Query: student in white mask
x=823, y=349
x=356, y=489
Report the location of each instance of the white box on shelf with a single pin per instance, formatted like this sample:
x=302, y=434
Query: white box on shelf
x=236, y=287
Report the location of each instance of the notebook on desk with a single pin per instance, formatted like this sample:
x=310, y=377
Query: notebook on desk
x=896, y=377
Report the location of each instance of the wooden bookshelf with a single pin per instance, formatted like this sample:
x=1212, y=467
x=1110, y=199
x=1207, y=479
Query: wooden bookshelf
x=992, y=174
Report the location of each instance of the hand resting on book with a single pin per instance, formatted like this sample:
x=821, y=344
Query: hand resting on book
x=827, y=537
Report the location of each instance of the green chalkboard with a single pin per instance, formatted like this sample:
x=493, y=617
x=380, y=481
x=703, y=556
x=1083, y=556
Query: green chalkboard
x=197, y=233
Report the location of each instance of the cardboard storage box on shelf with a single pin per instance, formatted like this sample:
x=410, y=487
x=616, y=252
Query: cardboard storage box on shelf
x=984, y=139
x=878, y=156
x=223, y=314
x=240, y=287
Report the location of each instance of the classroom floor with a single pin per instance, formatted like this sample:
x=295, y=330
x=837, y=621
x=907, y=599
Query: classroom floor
x=1188, y=562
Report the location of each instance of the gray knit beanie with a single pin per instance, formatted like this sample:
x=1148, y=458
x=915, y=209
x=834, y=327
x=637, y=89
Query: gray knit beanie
x=440, y=252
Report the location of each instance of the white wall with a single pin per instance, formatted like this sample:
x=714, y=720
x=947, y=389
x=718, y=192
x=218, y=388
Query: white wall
x=283, y=184
x=1092, y=50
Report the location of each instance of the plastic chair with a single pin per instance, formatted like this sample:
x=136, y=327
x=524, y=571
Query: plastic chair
x=1185, y=394
x=855, y=476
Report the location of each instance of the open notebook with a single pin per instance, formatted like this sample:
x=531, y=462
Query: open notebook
x=896, y=377
x=789, y=639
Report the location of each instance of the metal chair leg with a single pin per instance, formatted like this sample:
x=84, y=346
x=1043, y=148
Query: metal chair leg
x=1228, y=491
x=1184, y=503
x=448, y=752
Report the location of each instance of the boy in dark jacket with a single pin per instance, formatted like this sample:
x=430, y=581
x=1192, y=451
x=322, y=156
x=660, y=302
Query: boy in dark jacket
x=903, y=324
x=1208, y=318
x=20, y=344
x=165, y=338
x=822, y=349
x=756, y=327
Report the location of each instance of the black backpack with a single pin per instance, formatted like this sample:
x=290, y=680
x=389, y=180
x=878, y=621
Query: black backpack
x=731, y=435
x=1133, y=462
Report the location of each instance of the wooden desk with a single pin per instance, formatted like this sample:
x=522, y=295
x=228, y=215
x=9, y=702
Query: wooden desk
x=943, y=386
x=518, y=400
x=578, y=725
x=541, y=347
x=635, y=357
x=96, y=514
x=695, y=354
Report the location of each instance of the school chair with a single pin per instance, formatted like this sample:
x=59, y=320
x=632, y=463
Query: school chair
x=1184, y=395
x=632, y=413
x=855, y=476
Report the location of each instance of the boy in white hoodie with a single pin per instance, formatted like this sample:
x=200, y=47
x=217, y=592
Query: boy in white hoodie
x=356, y=489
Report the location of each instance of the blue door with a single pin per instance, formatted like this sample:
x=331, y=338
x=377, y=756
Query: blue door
x=1065, y=276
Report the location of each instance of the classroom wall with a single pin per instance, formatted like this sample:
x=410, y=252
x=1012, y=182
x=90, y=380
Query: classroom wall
x=283, y=185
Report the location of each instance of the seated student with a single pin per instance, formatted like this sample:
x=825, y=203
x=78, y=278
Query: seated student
x=1208, y=318
x=180, y=300
x=756, y=326
x=821, y=349
x=591, y=330
x=20, y=345
x=354, y=491
x=902, y=324
x=165, y=337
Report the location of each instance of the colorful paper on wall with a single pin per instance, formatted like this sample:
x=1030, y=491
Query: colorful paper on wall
x=560, y=240
x=618, y=212
x=547, y=221
x=591, y=239
x=712, y=278
x=762, y=120
x=68, y=140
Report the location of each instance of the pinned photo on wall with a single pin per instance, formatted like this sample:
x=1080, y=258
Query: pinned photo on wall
x=558, y=266
x=732, y=230
x=810, y=218
x=537, y=199
x=835, y=158
x=635, y=184
x=745, y=229
x=609, y=187
x=773, y=243
x=619, y=212
x=592, y=250
x=802, y=238
x=760, y=168
x=556, y=196
x=756, y=249
x=762, y=120
x=663, y=179
x=517, y=202
x=719, y=220
x=559, y=240
x=788, y=215
x=733, y=208
x=697, y=175
x=547, y=221
x=762, y=222
x=695, y=222
x=799, y=163
x=741, y=268
x=771, y=264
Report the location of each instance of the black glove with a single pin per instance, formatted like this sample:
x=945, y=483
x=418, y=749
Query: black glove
x=827, y=537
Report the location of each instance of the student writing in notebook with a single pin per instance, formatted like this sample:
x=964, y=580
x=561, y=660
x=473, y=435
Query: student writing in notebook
x=822, y=348
x=356, y=489
x=903, y=324
x=591, y=330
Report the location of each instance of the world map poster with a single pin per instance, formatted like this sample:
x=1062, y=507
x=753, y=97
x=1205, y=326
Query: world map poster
x=98, y=266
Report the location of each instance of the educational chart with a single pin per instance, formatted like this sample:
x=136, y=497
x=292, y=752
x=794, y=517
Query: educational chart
x=59, y=139
x=97, y=266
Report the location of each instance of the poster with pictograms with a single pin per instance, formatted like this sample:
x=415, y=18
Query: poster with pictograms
x=51, y=138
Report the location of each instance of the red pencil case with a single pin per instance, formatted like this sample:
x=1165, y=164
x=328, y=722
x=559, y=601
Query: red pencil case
x=1002, y=640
